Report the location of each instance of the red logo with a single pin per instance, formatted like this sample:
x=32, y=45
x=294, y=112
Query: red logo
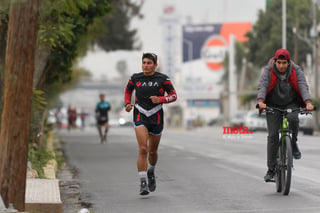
x=213, y=52
x=236, y=130
x=138, y=84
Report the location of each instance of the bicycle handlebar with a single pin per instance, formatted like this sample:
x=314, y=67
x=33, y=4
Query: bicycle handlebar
x=289, y=110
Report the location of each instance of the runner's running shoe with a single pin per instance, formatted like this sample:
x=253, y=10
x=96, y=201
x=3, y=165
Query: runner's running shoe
x=143, y=188
x=151, y=180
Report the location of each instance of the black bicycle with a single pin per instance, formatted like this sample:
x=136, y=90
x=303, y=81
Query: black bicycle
x=284, y=157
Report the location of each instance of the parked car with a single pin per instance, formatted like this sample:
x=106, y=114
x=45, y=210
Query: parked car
x=239, y=118
x=254, y=121
x=306, y=124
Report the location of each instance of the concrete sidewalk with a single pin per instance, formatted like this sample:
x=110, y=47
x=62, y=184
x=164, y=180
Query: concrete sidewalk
x=43, y=195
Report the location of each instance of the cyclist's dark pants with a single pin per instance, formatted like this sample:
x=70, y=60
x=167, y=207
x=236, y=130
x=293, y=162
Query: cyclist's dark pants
x=274, y=123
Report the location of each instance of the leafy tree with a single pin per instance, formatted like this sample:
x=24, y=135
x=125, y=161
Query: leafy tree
x=63, y=25
x=118, y=35
x=63, y=28
x=266, y=36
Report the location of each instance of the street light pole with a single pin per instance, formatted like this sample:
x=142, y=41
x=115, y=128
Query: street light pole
x=315, y=49
x=284, y=25
x=315, y=59
x=233, y=102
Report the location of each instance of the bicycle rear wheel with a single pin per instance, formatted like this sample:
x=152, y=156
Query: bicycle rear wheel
x=286, y=165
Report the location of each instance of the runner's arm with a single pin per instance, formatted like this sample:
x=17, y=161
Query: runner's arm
x=171, y=92
x=171, y=97
x=128, y=93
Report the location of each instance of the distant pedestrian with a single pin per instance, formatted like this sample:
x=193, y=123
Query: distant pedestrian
x=59, y=117
x=72, y=117
x=83, y=116
x=150, y=88
x=102, y=115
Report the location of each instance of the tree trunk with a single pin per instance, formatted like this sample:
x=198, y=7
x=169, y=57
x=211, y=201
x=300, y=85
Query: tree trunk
x=15, y=122
x=3, y=32
x=42, y=55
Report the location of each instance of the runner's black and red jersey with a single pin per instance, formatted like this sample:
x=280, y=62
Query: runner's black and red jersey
x=146, y=86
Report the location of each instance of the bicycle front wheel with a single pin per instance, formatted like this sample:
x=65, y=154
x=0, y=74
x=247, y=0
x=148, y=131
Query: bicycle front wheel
x=278, y=175
x=286, y=165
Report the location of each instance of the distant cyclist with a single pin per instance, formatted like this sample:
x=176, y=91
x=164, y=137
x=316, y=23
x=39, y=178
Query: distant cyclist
x=152, y=89
x=102, y=111
x=282, y=85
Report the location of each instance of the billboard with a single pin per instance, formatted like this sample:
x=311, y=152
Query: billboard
x=204, y=50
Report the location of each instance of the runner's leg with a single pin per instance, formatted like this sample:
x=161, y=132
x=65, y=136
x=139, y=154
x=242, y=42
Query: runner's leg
x=100, y=130
x=142, y=164
x=106, y=128
x=154, y=141
x=142, y=138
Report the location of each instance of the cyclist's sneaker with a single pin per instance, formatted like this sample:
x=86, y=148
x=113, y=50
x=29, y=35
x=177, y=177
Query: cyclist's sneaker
x=269, y=176
x=105, y=137
x=151, y=180
x=101, y=139
x=143, y=188
x=295, y=151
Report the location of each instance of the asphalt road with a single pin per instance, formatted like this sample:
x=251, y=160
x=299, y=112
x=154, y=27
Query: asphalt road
x=198, y=171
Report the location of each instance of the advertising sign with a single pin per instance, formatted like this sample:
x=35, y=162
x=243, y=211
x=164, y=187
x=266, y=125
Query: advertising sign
x=204, y=49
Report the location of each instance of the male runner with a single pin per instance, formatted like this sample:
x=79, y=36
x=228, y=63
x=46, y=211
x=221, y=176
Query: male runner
x=150, y=88
x=102, y=117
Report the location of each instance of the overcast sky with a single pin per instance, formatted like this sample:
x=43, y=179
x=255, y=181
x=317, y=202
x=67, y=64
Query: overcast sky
x=196, y=11
x=150, y=32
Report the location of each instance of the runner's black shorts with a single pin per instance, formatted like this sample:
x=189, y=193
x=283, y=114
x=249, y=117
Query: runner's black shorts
x=102, y=120
x=154, y=129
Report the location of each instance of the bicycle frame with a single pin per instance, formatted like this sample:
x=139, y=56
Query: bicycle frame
x=284, y=130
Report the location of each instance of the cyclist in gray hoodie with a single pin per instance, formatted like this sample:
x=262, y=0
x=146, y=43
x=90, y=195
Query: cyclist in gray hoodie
x=282, y=85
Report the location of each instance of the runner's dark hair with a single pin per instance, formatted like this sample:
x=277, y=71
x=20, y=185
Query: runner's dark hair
x=151, y=56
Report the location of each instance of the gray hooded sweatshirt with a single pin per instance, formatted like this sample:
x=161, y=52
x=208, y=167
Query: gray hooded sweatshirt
x=283, y=93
